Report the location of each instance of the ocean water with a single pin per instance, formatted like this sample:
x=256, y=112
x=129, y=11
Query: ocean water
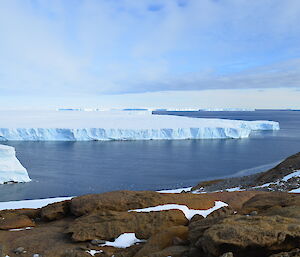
x=76, y=168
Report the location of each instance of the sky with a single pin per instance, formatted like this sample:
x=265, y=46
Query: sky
x=150, y=53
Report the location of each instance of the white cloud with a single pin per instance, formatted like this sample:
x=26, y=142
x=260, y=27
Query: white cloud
x=52, y=47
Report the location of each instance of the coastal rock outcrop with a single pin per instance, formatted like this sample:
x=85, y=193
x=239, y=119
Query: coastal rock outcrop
x=255, y=223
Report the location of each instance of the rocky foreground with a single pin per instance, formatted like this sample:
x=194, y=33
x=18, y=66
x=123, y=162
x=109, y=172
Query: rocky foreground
x=255, y=223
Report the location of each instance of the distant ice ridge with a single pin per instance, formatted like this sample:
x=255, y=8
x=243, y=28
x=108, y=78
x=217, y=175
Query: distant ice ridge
x=227, y=110
x=114, y=125
x=11, y=170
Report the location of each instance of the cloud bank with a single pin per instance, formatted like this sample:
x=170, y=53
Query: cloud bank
x=90, y=47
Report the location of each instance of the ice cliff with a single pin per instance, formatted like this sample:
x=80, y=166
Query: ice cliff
x=11, y=170
x=114, y=125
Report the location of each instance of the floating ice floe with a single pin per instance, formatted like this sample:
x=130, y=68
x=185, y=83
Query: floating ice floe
x=189, y=213
x=120, y=125
x=11, y=170
x=31, y=204
x=123, y=241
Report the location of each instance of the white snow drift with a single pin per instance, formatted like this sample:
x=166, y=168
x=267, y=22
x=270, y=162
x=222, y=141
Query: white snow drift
x=123, y=241
x=116, y=125
x=189, y=213
x=31, y=204
x=11, y=170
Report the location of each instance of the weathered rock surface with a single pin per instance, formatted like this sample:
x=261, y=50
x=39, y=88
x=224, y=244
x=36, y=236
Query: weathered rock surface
x=128, y=200
x=108, y=225
x=293, y=253
x=158, y=243
x=246, y=235
x=55, y=211
x=257, y=224
x=15, y=221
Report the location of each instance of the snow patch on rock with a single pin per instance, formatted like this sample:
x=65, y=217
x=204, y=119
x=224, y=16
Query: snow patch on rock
x=175, y=191
x=123, y=241
x=189, y=213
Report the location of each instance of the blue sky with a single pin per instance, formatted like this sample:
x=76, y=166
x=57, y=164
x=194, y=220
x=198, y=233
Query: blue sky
x=85, y=52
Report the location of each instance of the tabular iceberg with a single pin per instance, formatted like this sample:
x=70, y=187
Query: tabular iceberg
x=227, y=109
x=11, y=170
x=116, y=125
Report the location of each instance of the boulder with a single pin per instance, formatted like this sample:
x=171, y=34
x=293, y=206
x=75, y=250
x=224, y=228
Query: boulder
x=251, y=236
x=55, y=211
x=263, y=202
x=198, y=227
x=127, y=200
x=174, y=251
x=293, y=253
x=222, y=212
x=108, y=225
x=14, y=221
x=157, y=244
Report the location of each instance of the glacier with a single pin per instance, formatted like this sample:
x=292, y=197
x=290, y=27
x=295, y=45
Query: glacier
x=11, y=170
x=119, y=125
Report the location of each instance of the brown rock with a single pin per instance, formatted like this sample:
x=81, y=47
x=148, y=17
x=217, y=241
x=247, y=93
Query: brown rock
x=174, y=251
x=246, y=235
x=263, y=202
x=75, y=253
x=129, y=251
x=284, y=168
x=55, y=211
x=109, y=224
x=114, y=201
x=197, y=228
x=293, y=253
x=229, y=254
x=222, y=212
x=31, y=213
x=289, y=211
x=128, y=200
x=207, y=183
x=12, y=221
x=196, y=218
x=162, y=240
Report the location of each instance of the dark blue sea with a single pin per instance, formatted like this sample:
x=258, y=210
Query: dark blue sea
x=77, y=168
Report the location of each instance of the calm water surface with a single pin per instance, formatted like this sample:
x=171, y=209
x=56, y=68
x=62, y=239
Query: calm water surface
x=76, y=168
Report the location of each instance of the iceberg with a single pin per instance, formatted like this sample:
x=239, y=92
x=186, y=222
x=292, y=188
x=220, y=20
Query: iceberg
x=119, y=125
x=11, y=170
x=227, y=110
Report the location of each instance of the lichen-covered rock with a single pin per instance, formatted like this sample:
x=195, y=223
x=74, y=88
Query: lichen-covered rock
x=222, y=212
x=292, y=253
x=198, y=227
x=55, y=211
x=14, y=221
x=128, y=200
x=174, y=251
x=156, y=245
x=245, y=235
x=108, y=225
